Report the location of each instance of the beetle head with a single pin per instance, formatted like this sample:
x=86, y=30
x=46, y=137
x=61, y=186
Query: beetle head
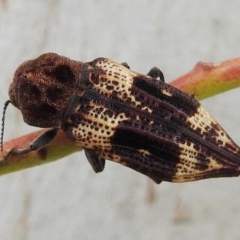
x=42, y=88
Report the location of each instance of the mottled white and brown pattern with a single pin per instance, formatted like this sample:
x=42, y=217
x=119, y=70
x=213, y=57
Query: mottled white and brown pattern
x=117, y=114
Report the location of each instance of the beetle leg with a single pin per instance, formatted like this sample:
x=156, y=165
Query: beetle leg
x=156, y=73
x=95, y=161
x=125, y=65
x=156, y=180
x=37, y=144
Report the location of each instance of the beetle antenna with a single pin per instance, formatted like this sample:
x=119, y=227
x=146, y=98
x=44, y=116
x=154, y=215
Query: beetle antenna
x=3, y=122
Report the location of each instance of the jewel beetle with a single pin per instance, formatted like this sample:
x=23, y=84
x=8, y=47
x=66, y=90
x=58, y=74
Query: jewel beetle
x=115, y=113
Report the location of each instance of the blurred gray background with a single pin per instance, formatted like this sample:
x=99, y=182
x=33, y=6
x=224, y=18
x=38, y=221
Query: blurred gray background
x=66, y=199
